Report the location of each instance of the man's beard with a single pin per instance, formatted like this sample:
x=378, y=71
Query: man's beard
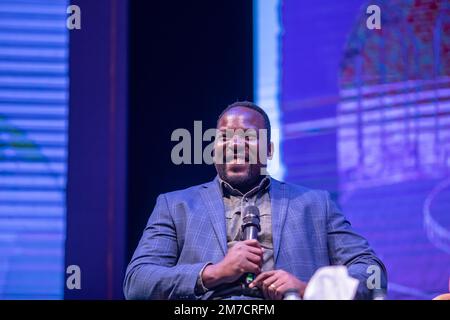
x=244, y=181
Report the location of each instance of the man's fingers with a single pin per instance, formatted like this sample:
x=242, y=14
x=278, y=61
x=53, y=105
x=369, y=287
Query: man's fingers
x=252, y=243
x=279, y=289
x=252, y=267
x=254, y=258
x=272, y=293
x=268, y=286
x=278, y=283
x=282, y=289
x=269, y=281
x=260, y=278
x=275, y=283
x=254, y=250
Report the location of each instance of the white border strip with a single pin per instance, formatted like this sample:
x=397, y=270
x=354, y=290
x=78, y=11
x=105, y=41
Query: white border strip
x=266, y=41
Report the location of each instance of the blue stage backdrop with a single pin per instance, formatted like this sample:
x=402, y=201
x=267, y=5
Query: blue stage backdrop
x=366, y=114
x=33, y=144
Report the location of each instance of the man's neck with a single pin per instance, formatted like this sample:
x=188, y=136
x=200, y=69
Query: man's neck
x=246, y=187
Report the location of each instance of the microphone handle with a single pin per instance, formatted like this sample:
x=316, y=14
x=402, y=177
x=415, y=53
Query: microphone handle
x=250, y=232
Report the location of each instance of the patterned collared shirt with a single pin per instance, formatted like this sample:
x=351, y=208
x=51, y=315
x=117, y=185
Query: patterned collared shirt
x=234, y=203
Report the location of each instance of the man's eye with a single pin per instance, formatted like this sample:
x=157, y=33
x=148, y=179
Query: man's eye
x=223, y=137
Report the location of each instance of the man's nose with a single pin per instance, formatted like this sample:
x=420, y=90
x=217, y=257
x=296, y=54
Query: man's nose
x=238, y=140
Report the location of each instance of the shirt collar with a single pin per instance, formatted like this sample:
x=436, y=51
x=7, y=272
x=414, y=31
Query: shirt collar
x=228, y=190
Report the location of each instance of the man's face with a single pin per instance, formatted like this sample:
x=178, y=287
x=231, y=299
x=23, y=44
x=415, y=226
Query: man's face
x=239, y=143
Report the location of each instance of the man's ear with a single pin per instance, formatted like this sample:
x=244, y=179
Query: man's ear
x=270, y=151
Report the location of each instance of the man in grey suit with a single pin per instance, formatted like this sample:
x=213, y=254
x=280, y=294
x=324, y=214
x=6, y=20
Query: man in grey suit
x=192, y=246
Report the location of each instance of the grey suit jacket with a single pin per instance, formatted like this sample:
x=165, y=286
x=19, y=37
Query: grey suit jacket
x=187, y=229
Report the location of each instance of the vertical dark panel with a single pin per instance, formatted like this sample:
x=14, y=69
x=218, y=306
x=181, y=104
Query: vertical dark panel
x=188, y=60
x=97, y=149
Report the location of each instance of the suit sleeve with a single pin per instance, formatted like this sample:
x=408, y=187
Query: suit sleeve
x=348, y=248
x=153, y=272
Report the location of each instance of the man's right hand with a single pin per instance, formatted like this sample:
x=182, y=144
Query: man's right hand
x=244, y=257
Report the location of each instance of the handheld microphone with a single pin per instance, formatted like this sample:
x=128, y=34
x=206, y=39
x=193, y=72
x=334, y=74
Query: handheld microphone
x=250, y=229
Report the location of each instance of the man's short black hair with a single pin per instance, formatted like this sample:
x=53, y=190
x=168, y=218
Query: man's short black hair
x=250, y=105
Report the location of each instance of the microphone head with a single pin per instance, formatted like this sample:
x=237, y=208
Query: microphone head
x=251, y=210
x=250, y=217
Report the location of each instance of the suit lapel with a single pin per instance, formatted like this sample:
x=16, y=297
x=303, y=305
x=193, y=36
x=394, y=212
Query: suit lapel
x=279, y=202
x=212, y=198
